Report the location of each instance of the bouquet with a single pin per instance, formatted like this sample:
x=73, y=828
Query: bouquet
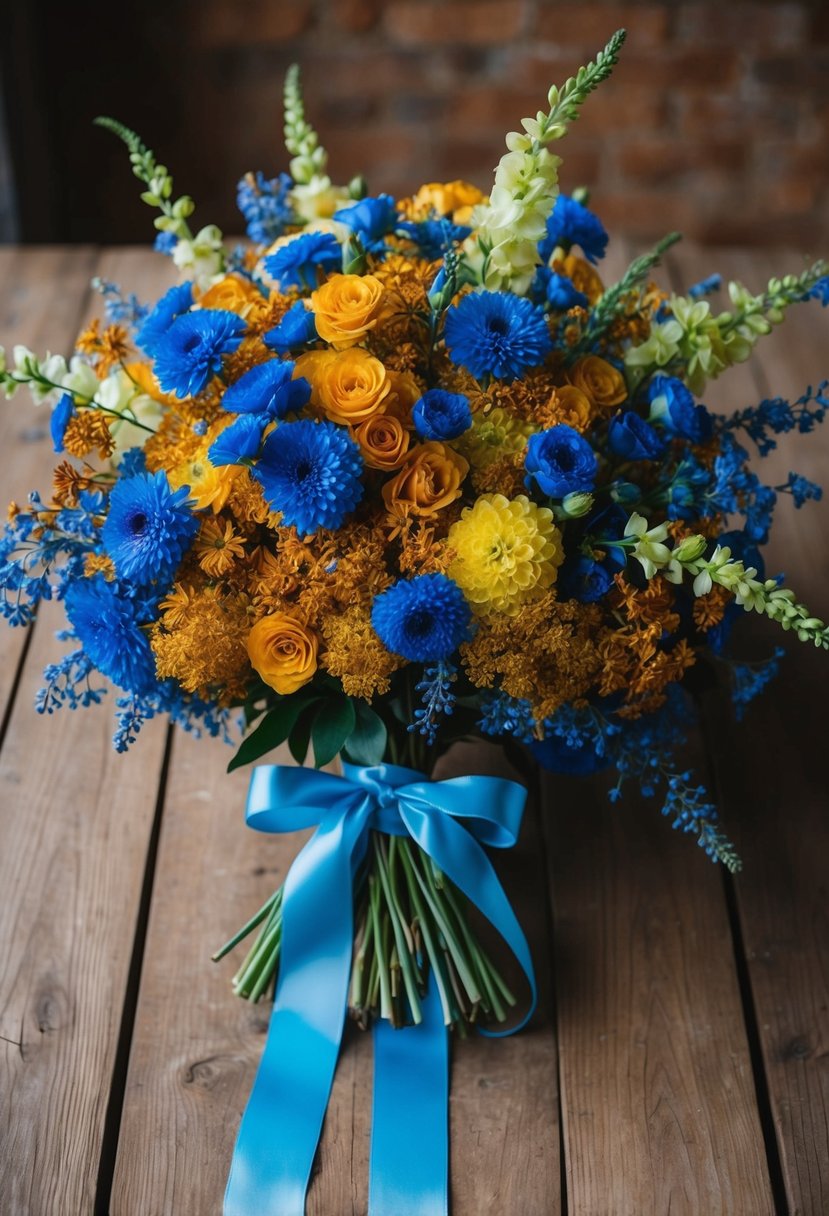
x=397, y=473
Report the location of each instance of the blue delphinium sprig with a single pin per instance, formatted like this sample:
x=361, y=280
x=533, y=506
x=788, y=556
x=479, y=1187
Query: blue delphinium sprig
x=265, y=205
x=690, y=810
x=749, y=679
x=776, y=416
x=505, y=715
x=67, y=681
x=120, y=309
x=438, y=699
x=705, y=287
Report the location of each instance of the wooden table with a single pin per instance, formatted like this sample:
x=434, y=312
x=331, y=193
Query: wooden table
x=680, y=1058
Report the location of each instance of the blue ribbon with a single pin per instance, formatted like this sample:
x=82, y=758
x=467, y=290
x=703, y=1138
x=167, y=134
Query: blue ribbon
x=282, y=1123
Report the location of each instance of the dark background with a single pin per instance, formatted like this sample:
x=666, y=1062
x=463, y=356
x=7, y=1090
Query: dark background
x=716, y=120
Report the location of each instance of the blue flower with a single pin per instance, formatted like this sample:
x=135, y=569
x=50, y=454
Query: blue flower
x=265, y=205
x=634, y=439
x=295, y=263
x=434, y=237
x=705, y=287
x=238, y=442
x=572, y=223
x=423, y=619
x=820, y=291
x=372, y=219
x=441, y=415
x=802, y=489
x=561, y=294
x=310, y=472
x=494, y=333
x=297, y=328
x=132, y=463
x=165, y=243
x=172, y=304
x=672, y=402
x=559, y=461
x=584, y=579
x=190, y=353
x=107, y=620
x=268, y=389
x=148, y=528
x=59, y=421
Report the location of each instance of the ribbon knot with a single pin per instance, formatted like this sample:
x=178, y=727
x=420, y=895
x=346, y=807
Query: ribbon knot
x=281, y=1126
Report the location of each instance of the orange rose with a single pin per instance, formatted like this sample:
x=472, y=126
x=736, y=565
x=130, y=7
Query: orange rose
x=449, y=198
x=598, y=380
x=352, y=386
x=235, y=294
x=582, y=275
x=404, y=394
x=309, y=366
x=346, y=307
x=429, y=480
x=383, y=441
x=283, y=651
x=575, y=407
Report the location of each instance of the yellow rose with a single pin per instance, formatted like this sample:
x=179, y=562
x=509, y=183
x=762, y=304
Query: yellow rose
x=234, y=294
x=309, y=366
x=352, y=386
x=429, y=480
x=582, y=275
x=448, y=198
x=575, y=407
x=599, y=381
x=383, y=441
x=283, y=651
x=346, y=307
x=404, y=394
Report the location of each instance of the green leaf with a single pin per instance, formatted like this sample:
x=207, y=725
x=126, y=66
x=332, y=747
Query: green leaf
x=300, y=736
x=274, y=729
x=333, y=724
x=367, y=742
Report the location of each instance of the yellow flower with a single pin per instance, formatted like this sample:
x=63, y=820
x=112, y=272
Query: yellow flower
x=429, y=480
x=582, y=275
x=234, y=294
x=283, y=651
x=494, y=435
x=599, y=380
x=383, y=441
x=507, y=552
x=209, y=486
x=352, y=386
x=449, y=198
x=404, y=394
x=218, y=547
x=346, y=307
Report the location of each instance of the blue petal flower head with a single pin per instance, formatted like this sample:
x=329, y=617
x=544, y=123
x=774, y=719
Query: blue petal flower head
x=572, y=223
x=59, y=421
x=584, y=579
x=265, y=205
x=268, y=389
x=433, y=237
x=165, y=243
x=561, y=294
x=441, y=415
x=672, y=402
x=310, y=472
x=559, y=461
x=423, y=619
x=297, y=328
x=295, y=263
x=173, y=303
x=132, y=463
x=372, y=219
x=238, y=442
x=820, y=291
x=634, y=439
x=148, y=528
x=107, y=620
x=494, y=333
x=190, y=353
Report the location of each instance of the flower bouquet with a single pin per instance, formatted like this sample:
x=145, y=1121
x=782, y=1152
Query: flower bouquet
x=391, y=475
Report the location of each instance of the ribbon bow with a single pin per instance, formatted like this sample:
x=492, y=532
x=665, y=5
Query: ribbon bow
x=282, y=1123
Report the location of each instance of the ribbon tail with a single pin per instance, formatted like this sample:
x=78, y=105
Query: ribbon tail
x=409, y=1169
x=282, y=1122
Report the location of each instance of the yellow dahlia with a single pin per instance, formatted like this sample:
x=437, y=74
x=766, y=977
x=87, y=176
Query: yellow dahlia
x=493, y=435
x=507, y=552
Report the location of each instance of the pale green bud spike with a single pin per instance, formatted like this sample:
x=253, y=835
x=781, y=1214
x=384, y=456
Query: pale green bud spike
x=564, y=102
x=301, y=140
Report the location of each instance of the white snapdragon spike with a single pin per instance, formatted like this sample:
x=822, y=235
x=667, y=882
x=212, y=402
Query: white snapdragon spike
x=80, y=380
x=650, y=549
x=202, y=257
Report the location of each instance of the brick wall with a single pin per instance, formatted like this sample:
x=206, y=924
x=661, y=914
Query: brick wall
x=716, y=120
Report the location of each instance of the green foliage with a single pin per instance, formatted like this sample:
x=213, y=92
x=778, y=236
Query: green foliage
x=367, y=742
x=332, y=725
x=156, y=178
x=274, y=728
x=564, y=102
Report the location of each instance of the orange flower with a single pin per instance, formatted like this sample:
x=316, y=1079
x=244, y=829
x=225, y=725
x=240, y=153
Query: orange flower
x=584, y=278
x=404, y=394
x=429, y=480
x=352, y=386
x=142, y=375
x=575, y=407
x=599, y=381
x=283, y=651
x=449, y=198
x=234, y=294
x=383, y=441
x=346, y=307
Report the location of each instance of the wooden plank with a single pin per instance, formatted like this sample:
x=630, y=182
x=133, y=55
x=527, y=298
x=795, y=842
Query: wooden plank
x=42, y=293
x=196, y=1047
x=659, y=1111
x=777, y=809
x=74, y=836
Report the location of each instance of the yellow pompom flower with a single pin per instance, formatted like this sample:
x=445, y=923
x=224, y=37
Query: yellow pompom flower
x=507, y=552
x=493, y=436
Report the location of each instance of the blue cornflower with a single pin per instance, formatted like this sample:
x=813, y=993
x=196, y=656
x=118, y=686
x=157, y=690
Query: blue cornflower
x=372, y=219
x=132, y=462
x=238, y=442
x=165, y=243
x=295, y=263
x=107, y=620
x=494, y=333
x=310, y=473
x=434, y=237
x=559, y=461
x=265, y=205
x=267, y=389
x=561, y=294
x=441, y=415
x=584, y=579
x=572, y=223
x=158, y=320
x=423, y=619
x=148, y=528
x=632, y=438
x=190, y=353
x=673, y=404
x=297, y=328
x=705, y=287
x=59, y=421
x=820, y=291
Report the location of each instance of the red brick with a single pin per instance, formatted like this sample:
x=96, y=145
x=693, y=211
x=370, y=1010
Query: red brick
x=590, y=25
x=665, y=160
x=745, y=24
x=356, y=16
x=474, y=22
x=218, y=23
